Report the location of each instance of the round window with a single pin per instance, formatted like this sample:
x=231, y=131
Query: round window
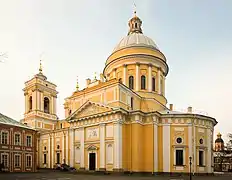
x=179, y=140
x=201, y=141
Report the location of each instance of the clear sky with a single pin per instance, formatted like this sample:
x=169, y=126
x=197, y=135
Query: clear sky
x=75, y=37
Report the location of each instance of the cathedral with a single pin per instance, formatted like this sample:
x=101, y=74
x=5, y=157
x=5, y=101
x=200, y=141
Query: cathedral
x=120, y=121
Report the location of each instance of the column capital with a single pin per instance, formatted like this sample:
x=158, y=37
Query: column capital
x=150, y=65
x=114, y=69
x=102, y=124
x=137, y=64
x=124, y=65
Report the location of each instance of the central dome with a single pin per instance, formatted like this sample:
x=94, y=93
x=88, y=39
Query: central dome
x=136, y=39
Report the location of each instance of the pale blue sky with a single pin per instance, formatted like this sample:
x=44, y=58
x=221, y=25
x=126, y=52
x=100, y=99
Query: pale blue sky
x=76, y=37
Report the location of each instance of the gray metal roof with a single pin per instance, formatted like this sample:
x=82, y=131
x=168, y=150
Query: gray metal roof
x=9, y=121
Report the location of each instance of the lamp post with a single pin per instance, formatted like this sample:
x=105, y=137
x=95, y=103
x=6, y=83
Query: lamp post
x=190, y=164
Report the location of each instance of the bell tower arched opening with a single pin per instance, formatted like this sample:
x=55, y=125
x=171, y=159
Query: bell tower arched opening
x=46, y=105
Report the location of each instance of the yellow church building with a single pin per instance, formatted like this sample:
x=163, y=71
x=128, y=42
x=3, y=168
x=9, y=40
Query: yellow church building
x=120, y=122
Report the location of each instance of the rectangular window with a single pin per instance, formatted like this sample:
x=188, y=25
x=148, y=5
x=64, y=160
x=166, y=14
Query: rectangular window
x=28, y=161
x=17, y=139
x=45, y=158
x=179, y=158
x=17, y=161
x=201, y=158
x=5, y=160
x=29, y=144
x=4, y=138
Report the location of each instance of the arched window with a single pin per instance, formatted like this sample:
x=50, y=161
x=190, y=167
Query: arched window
x=131, y=82
x=70, y=111
x=153, y=84
x=143, y=82
x=136, y=25
x=46, y=105
x=132, y=102
x=30, y=103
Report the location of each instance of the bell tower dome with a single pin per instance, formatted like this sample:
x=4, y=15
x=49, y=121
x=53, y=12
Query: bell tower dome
x=40, y=102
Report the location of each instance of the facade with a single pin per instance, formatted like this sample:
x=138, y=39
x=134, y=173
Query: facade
x=17, y=146
x=121, y=121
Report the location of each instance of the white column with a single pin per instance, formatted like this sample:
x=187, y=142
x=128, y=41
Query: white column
x=102, y=146
x=49, y=152
x=82, y=147
x=26, y=103
x=194, y=150
x=66, y=147
x=63, y=148
x=51, y=105
x=52, y=149
x=38, y=100
x=164, y=85
x=150, y=78
x=42, y=101
x=158, y=82
x=166, y=148
x=117, y=145
x=54, y=105
x=209, y=158
x=137, y=77
x=124, y=74
x=155, y=147
x=33, y=100
x=72, y=155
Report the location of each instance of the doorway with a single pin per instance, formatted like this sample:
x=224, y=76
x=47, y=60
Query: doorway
x=92, y=161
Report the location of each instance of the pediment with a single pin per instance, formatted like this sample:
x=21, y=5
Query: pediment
x=90, y=109
x=92, y=148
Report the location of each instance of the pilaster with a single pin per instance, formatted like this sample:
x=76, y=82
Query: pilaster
x=209, y=151
x=72, y=152
x=124, y=74
x=158, y=81
x=137, y=77
x=52, y=152
x=102, y=147
x=118, y=146
x=155, y=147
x=150, y=78
x=166, y=147
x=82, y=147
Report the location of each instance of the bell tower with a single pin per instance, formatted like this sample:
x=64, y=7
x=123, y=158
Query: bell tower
x=40, y=102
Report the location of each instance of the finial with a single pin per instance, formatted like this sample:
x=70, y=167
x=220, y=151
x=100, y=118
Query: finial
x=134, y=9
x=40, y=67
x=77, y=86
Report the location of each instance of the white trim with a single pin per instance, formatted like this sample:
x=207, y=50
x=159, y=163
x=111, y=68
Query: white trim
x=29, y=135
x=7, y=162
x=155, y=148
x=28, y=155
x=8, y=139
x=20, y=139
x=66, y=147
x=174, y=160
x=20, y=160
x=166, y=148
x=159, y=82
x=93, y=151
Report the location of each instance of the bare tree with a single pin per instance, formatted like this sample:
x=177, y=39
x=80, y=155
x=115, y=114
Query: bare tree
x=229, y=143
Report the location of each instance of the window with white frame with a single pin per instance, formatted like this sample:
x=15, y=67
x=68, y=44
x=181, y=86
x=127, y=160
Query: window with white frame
x=109, y=154
x=17, y=139
x=29, y=141
x=4, y=137
x=28, y=160
x=179, y=157
x=4, y=160
x=17, y=160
